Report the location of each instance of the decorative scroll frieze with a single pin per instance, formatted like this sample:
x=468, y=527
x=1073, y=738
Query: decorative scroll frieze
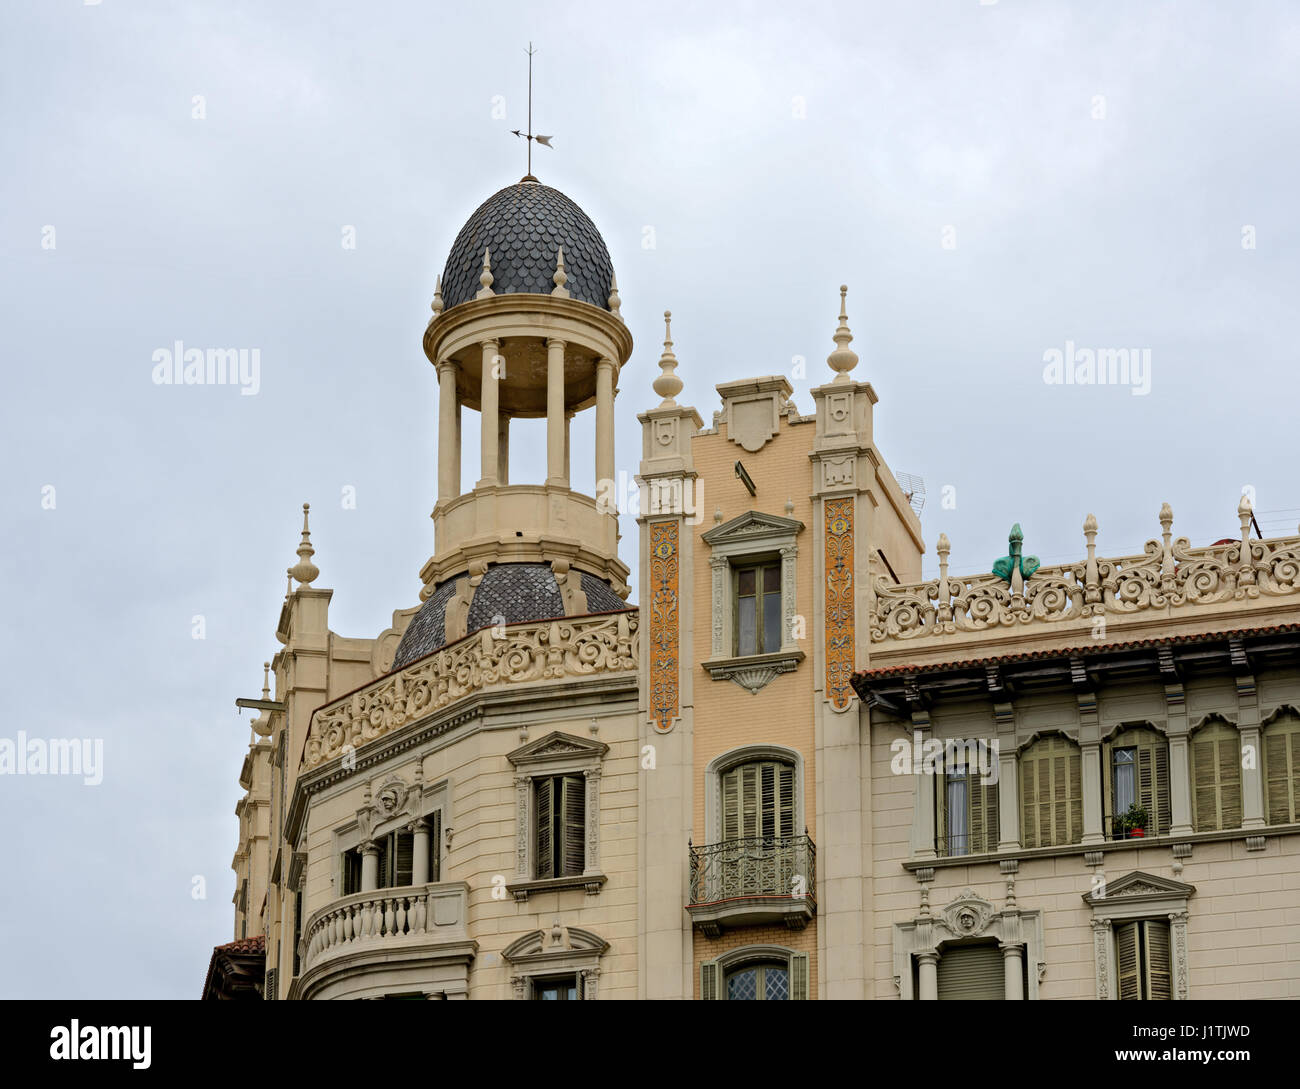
x=839, y=601
x=1169, y=574
x=549, y=650
x=664, y=634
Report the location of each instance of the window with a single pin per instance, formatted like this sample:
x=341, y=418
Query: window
x=1282, y=768
x=758, y=800
x=757, y=589
x=1142, y=960
x=1135, y=769
x=396, y=863
x=968, y=812
x=1216, y=777
x=562, y=989
x=1051, y=793
x=756, y=974
x=561, y=813
x=297, y=931
x=972, y=972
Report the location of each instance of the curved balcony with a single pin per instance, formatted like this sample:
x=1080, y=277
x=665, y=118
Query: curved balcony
x=753, y=881
x=389, y=941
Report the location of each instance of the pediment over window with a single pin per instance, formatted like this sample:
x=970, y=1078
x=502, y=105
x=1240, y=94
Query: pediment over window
x=752, y=524
x=558, y=941
x=557, y=746
x=1138, y=887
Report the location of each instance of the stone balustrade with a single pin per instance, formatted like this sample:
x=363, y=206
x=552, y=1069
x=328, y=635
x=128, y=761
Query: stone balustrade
x=373, y=920
x=568, y=647
x=1168, y=577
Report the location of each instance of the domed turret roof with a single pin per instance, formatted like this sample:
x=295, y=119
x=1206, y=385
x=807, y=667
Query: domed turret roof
x=515, y=592
x=524, y=225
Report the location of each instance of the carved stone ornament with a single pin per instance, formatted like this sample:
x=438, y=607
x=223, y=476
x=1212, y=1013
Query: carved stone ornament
x=968, y=915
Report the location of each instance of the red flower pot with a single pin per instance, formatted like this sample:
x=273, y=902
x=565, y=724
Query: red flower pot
x=1137, y=833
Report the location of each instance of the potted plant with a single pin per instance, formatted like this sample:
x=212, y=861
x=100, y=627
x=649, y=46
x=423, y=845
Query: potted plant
x=1134, y=822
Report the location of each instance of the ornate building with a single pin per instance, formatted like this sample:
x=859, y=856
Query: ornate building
x=796, y=770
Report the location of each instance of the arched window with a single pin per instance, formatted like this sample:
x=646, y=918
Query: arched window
x=1216, y=776
x=1051, y=792
x=762, y=973
x=1281, y=739
x=1135, y=783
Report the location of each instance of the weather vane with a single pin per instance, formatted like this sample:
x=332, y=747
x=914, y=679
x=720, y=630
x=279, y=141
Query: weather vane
x=545, y=140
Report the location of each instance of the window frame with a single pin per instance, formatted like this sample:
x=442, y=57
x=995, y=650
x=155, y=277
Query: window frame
x=712, y=974
x=750, y=754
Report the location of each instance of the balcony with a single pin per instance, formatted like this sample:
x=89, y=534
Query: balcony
x=389, y=941
x=753, y=881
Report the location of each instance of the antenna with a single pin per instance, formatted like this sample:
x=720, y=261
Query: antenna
x=914, y=488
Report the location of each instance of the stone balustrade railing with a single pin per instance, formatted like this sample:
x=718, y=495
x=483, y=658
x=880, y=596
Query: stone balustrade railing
x=551, y=649
x=385, y=915
x=1169, y=573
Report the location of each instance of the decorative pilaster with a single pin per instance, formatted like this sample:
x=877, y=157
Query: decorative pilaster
x=664, y=634
x=522, y=827
x=922, y=801
x=1102, y=941
x=840, y=643
x=1091, y=756
x=592, y=776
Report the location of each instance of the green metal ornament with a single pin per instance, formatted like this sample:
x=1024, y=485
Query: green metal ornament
x=1007, y=565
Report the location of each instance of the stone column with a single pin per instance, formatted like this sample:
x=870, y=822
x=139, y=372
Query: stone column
x=1252, y=779
x=1092, y=830
x=490, y=437
x=448, y=433
x=1013, y=972
x=604, y=421
x=420, y=845
x=557, y=466
x=1180, y=794
x=503, y=449
x=1008, y=799
x=922, y=803
x=369, y=866
x=927, y=977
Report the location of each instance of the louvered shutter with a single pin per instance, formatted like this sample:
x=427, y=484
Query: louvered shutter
x=1126, y=943
x=731, y=804
x=545, y=828
x=758, y=800
x=573, y=810
x=1158, y=966
x=1282, y=770
x=709, y=981
x=1051, y=793
x=403, y=859
x=385, y=861
x=767, y=799
x=785, y=802
x=748, y=800
x=942, y=846
x=984, y=814
x=1216, y=778
x=435, y=846
x=972, y=972
x=799, y=977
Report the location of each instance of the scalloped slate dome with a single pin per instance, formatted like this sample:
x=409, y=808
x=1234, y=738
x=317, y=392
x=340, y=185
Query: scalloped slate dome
x=519, y=592
x=524, y=225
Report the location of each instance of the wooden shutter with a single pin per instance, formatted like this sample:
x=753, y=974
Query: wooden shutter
x=351, y=872
x=1051, y=793
x=545, y=828
x=758, y=799
x=731, y=804
x=785, y=800
x=1158, y=966
x=1126, y=943
x=984, y=829
x=1151, y=775
x=403, y=859
x=573, y=808
x=1282, y=769
x=435, y=846
x=972, y=972
x=709, y=974
x=1216, y=777
x=799, y=977
x=383, y=880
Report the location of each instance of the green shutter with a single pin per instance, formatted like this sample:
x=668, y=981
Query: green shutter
x=709, y=973
x=799, y=977
x=573, y=809
x=403, y=858
x=1158, y=965
x=1126, y=944
x=545, y=829
x=1051, y=793
x=972, y=972
x=435, y=846
x=1216, y=777
x=1282, y=769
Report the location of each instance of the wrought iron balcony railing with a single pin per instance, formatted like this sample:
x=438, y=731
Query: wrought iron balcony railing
x=753, y=880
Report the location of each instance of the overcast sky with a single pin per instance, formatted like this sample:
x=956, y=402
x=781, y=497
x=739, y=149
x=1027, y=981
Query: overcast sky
x=991, y=181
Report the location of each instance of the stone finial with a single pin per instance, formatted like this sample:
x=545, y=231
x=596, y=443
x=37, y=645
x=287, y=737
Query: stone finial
x=944, y=547
x=262, y=724
x=789, y=507
x=668, y=385
x=560, y=278
x=266, y=680
x=437, y=305
x=1167, y=552
x=1245, y=508
x=485, y=277
x=304, y=570
x=843, y=359
x=614, y=301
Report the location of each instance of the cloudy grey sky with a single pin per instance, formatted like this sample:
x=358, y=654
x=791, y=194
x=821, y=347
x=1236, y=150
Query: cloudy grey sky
x=1095, y=165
